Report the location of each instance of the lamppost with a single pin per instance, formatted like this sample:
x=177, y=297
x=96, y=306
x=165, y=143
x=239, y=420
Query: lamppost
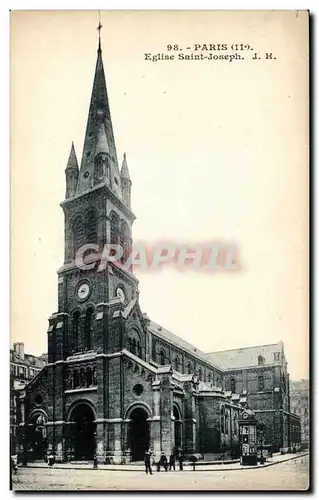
x=95, y=452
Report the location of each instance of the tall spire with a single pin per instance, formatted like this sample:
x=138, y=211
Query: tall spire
x=99, y=114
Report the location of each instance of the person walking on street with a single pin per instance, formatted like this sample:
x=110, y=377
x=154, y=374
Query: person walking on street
x=14, y=467
x=172, y=462
x=147, y=461
x=162, y=463
x=50, y=459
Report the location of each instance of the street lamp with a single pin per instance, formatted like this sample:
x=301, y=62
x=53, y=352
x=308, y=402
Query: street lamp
x=95, y=454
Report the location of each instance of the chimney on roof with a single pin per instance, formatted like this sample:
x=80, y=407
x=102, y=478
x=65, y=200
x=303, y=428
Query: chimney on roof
x=18, y=348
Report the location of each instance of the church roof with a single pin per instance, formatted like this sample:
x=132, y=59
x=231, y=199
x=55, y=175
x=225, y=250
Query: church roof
x=232, y=359
x=179, y=342
x=246, y=356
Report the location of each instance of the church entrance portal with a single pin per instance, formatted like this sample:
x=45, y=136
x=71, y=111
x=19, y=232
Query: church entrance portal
x=139, y=434
x=83, y=432
x=37, y=437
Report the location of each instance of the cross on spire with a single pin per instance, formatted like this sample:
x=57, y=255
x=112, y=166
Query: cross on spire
x=100, y=26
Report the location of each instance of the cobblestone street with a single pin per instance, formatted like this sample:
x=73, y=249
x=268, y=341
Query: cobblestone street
x=290, y=475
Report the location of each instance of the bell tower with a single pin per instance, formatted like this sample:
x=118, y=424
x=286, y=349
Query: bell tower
x=97, y=211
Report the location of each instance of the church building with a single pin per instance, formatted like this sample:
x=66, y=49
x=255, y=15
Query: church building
x=117, y=383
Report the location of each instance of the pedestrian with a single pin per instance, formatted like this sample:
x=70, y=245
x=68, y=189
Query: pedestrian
x=162, y=463
x=165, y=463
x=193, y=459
x=147, y=462
x=95, y=466
x=50, y=459
x=14, y=467
x=172, y=462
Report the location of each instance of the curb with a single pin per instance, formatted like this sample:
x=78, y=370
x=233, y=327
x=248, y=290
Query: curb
x=140, y=469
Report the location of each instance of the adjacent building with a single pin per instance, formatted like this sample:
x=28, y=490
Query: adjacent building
x=23, y=368
x=116, y=382
x=299, y=402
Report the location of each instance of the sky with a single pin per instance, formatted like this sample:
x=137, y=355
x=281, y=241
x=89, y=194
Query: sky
x=217, y=151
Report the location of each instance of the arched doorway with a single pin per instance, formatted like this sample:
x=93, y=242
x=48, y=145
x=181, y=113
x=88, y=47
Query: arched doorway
x=139, y=436
x=38, y=436
x=177, y=428
x=83, y=418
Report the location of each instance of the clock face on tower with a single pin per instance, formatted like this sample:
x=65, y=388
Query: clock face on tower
x=83, y=291
x=120, y=294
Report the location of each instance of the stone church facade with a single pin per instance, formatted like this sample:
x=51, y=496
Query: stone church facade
x=117, y=383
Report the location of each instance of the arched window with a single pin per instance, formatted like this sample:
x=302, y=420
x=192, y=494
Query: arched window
x=176, y=363
x=129, y=344
x=235, y=424
x=125, y=240
x=76, y=323
x=134, y=346
x=115, y=223
x=227, y=430
x=222, y=420
x=77, y=233
x=91, y=226
x=94, y=376
x=217, y=382
x=82, y=378
x=232, y=385
x=76, y=379
x=261, y=383
x=88, y=328
x=162, y=357
x=89, y=378
x=189, y=368
x=209, y=377
x=200, y=374
x=261, y=360
x=138, y=349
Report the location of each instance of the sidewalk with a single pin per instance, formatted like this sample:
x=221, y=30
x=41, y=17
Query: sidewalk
x=200, y=466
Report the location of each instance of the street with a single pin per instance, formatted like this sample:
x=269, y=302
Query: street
x=290, y=475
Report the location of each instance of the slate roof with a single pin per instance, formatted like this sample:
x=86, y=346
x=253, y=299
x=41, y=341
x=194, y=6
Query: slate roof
x=170, y=337
x=246, y=356
x=29, y=360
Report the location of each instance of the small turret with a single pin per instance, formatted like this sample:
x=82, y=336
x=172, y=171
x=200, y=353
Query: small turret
x=71, y=174
x=126, y=183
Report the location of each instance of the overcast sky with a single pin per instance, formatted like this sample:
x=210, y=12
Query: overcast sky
x=217, y=150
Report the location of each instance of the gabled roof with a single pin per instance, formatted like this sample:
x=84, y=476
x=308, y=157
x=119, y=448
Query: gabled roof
x=246, y=356
x=161, y=332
